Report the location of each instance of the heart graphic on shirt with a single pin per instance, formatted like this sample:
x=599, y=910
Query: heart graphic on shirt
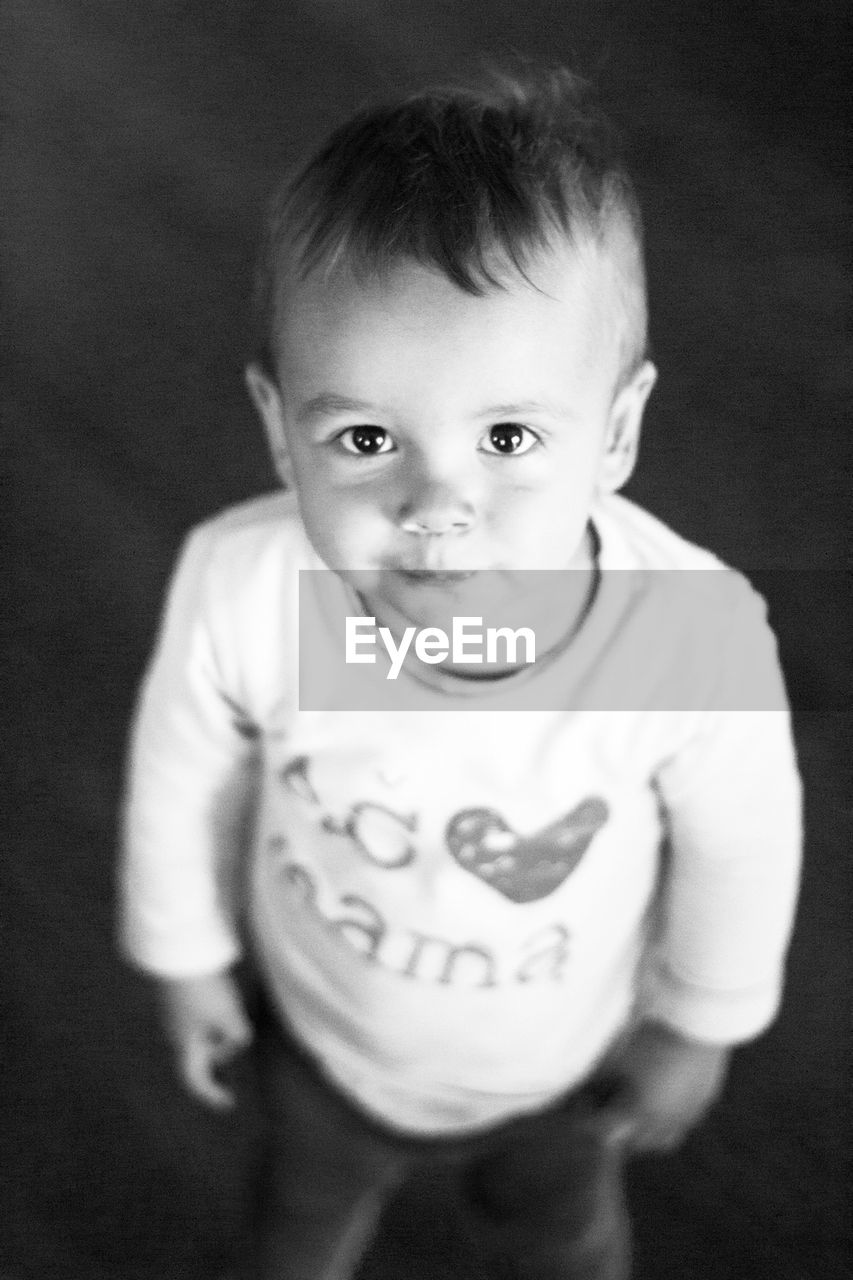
x=523, y=868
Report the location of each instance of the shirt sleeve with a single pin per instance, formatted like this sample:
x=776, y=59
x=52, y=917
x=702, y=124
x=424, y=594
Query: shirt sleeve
x=731, y=799
x=190, y=780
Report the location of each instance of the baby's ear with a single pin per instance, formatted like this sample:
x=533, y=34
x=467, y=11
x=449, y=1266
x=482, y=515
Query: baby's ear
x=625, y=421
x=266, y=398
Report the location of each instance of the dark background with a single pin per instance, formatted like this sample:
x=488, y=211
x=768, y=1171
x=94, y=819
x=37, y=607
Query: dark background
x=139, y=141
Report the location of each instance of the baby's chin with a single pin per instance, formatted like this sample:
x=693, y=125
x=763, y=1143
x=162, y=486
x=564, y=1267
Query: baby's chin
x=546, y=602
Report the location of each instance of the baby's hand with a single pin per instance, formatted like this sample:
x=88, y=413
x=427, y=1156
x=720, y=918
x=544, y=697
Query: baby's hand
x=662, y=1086
x=207, y=1024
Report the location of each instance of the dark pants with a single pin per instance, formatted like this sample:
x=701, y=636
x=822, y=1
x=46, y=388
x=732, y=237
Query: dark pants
x=543, y=1195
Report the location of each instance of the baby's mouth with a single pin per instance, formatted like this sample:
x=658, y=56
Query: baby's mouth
x=436, y=577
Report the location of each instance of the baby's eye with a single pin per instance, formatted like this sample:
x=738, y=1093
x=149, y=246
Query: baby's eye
x=509, y=437
x=366, y=441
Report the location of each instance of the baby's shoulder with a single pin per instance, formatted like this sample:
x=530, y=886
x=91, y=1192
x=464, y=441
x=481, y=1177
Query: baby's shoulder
x=238, y=543
x=681, y=582
x=632, y=538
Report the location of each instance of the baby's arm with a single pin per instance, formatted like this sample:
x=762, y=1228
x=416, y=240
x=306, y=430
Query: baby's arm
x=207, y=1024
x=658, y=1086
x=189, y=787
x=732, y=800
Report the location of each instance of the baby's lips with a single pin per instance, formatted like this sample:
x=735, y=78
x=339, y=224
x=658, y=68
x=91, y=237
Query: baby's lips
x=437, y=576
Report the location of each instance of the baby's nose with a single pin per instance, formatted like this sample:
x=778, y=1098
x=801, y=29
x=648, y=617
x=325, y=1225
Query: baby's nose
x=436, y=508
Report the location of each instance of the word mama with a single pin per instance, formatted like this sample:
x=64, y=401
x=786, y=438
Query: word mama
x=423, y=957
x=468, y=642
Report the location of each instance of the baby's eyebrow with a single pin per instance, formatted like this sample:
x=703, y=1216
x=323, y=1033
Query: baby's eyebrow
x=329, y=402
x=523, y=407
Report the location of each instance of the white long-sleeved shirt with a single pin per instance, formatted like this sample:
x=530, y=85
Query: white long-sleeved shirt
x=458, y=913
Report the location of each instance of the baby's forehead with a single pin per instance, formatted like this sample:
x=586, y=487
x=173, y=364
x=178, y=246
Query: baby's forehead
x=588, y=276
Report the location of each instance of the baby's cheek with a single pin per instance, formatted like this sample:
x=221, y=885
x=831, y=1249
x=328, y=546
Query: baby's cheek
x=338, y=531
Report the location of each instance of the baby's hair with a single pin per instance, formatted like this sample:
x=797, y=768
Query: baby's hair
x=470, y=180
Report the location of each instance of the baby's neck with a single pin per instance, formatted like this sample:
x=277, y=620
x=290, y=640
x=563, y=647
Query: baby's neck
x=559, y=602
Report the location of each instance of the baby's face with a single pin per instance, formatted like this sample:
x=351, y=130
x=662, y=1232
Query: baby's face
x=429, y=433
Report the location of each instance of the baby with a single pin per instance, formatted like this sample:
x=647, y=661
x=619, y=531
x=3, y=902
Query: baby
x=520, y=937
